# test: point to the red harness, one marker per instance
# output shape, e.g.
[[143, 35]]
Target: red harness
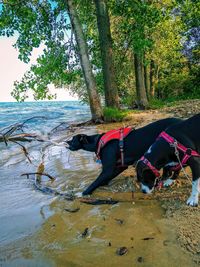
[[118, 134], [187, 153]]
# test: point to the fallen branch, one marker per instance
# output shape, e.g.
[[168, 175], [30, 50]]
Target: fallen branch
[[24, 150], [23, 137], [17, 126], [39, 173], [95, 201]]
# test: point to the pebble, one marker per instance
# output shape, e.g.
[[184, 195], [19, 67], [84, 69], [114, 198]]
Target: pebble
[[140, 259], [121, 251]]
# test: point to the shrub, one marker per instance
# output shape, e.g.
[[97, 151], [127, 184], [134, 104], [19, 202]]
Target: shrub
[[115, 115], [178, 86]]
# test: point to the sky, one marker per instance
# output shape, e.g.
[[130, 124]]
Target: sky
[[12, 69]]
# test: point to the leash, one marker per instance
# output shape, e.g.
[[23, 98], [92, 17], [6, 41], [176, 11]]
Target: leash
[[179, 160], [121, 146]]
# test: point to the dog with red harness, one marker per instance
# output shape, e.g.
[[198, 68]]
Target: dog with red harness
[[117, 149], [176, 147]]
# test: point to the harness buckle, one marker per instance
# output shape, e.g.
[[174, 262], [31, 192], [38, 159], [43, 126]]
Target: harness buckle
[[121, 143]]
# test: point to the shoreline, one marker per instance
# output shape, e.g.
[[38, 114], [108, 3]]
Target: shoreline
[[161, 232]]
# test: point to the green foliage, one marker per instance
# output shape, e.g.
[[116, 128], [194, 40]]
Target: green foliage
[[155, 103], [114, 114], [156, 29], [138, 19], [178, 86]]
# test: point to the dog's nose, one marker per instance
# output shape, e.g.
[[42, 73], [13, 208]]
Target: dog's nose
[[144, 191]]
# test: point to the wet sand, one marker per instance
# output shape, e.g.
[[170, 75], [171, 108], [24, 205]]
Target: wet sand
[[64, 241]]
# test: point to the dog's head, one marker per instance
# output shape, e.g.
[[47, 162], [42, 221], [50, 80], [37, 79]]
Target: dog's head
[[77, 142], [146, 177], [83, 141]]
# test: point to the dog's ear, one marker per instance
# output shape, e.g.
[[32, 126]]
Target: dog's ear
[[144, 173], [140, 168], [148, 175]]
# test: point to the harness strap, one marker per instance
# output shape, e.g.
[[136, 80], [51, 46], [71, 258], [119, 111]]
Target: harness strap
[[118, 134], [121, 145], [151, 167], [188, 152]]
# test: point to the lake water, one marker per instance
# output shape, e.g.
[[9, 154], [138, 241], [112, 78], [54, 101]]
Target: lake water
[[19, 201], [54, 111]]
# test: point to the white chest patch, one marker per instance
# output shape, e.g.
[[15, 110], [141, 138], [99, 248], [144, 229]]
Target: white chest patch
[[149, 150], [171, 164]]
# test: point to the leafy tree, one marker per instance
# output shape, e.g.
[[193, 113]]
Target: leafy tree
[[137, 21], [154, 45], [47, 23], [103, 22], [94, 100]]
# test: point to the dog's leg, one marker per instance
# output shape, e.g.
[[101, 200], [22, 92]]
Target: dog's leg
[[103, 179], [172, 177], [194, 197], [168, 182], [194, 164], [109, 170], [166, 176]]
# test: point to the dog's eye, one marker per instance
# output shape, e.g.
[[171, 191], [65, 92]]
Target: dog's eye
[[82, 138]]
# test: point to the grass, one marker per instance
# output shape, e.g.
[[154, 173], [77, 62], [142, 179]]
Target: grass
[[115, 115]]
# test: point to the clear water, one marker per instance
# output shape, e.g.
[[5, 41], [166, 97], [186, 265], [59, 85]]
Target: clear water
[[54, 111], [19, 201]]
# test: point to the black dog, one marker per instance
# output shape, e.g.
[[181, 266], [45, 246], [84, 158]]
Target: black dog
[[177, 147], [135, 145]]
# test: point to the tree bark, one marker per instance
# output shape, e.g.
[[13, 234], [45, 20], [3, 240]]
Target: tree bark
[[103, 23], [94, 99], [146, 80], [152, 79], [140, 85]]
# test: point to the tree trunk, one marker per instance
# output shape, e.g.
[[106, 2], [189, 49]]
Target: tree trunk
[[146, 80], [94, 99], [103, 22], [140, 86], [152, 79]]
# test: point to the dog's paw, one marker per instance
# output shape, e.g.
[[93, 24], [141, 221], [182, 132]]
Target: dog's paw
[[86, 192], [192, 201], [168, 182], [78, 194]]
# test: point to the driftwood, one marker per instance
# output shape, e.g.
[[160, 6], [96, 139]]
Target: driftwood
[[23, 137], [38, 173], [97, 201], [8, 130], [100, 198], [15, 134]]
